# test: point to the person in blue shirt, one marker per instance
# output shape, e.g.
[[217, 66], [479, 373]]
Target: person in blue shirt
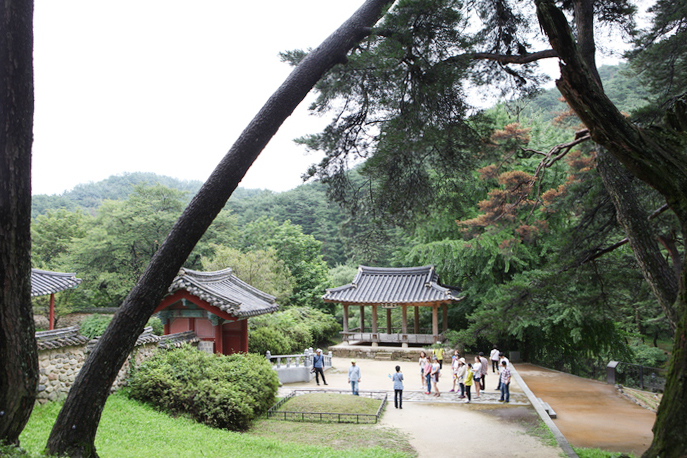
[[354, 377], [397, 378], [318, 365]]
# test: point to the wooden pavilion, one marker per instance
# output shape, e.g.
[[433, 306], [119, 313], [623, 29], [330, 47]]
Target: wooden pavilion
[[216, 306], [391, 289], [44, 282]]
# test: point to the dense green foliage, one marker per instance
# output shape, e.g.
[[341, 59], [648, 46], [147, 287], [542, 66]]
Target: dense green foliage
[[530, 274], [221, 391], [291, 331]]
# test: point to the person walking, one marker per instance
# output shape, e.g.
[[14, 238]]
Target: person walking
[[436, 370], [485, 370], [502, 359], [428, 376], [455, 365], [318, 366], [505, 382], [354, 377], [476, 374], [462, 372], [469, 380], [439, 353], [423, 362], [397, 378], [494, 356]]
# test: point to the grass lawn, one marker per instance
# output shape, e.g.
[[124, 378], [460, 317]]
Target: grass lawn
[[131, 429], [598, 453], [330, 402]]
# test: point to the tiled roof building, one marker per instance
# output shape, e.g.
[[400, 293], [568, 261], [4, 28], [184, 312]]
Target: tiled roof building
[[44, 282], [393, 288], [215, 305]]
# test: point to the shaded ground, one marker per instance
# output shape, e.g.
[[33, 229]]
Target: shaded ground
[[591, 413]]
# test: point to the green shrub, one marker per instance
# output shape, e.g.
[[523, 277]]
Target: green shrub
[[266, 339], [221, 391], [649, 356], [155, 323], [291, 331], [11, 451], [95, 325]]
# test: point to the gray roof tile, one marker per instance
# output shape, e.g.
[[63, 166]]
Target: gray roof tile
[[405, 285], [224, 290], [44, 282]]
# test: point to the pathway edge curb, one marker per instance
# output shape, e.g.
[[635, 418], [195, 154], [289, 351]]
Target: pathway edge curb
[[560, 438]]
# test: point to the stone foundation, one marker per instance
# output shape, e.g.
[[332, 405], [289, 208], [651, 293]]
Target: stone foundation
[[411, 354]]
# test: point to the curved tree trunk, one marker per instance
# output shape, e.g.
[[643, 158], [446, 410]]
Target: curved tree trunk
[[74, 431], [18, 354], [659, 157], [644, 242]]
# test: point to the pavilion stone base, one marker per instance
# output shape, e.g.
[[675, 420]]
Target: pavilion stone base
[[366, 351]]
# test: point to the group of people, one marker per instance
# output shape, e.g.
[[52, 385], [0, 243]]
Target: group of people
[[465, 375]]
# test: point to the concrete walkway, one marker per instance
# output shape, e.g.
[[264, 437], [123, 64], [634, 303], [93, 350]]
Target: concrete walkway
[[446, 426]]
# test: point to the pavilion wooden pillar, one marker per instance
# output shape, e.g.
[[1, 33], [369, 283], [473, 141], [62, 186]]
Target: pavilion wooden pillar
[[435, 322], [345, 322], [374, 325], [52, 311], [416, 326], [404, 324], [388, 321], [362, 319], [444, 317]]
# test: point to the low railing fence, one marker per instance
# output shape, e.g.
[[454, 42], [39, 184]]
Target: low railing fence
[[329, 417], [304, 359], [384, 337], [636, 376]]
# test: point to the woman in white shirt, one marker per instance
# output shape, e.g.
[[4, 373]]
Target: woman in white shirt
[[423, 361], [477, 369]]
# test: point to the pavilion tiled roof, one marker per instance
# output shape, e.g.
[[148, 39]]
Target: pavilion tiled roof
[[224, 290], [44, 282], [388, 285]]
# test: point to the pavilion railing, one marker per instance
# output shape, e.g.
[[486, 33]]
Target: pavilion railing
[[383, 337]]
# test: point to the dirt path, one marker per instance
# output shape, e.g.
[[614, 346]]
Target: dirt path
[[447, 427], [590, 413]]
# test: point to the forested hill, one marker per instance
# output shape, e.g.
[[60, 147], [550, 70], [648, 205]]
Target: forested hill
[[621, 87], [305, 205]]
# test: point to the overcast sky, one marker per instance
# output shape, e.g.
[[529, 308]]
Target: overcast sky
[[166, 86]]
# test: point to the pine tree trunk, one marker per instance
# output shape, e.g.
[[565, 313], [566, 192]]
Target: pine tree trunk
[[659, 157], [643, 240], [74, 431], [18, 354]]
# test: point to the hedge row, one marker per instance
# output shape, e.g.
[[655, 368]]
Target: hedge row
[[226, 392], [291, 331]]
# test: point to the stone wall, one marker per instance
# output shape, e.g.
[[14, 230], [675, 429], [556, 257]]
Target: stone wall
[[59, 366], [62, 352]]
